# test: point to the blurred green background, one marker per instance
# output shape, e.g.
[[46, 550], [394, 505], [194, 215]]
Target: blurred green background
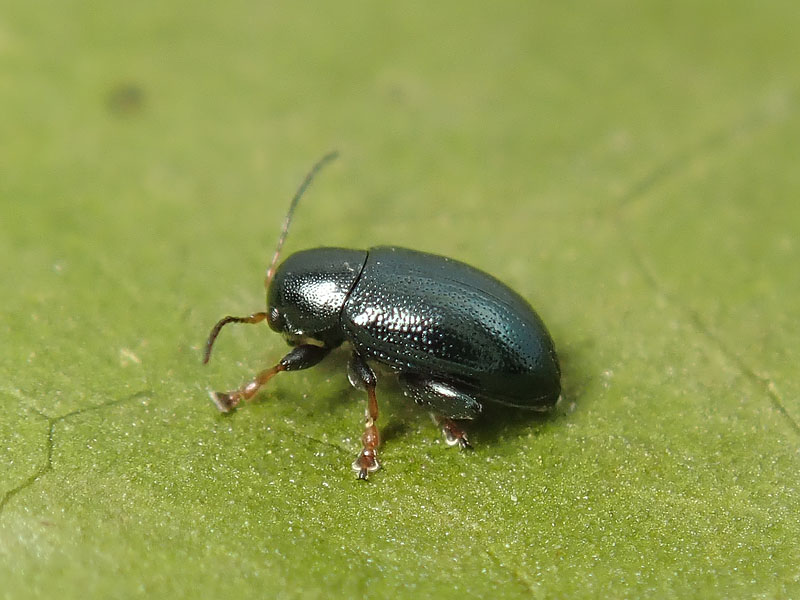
[[630, 168]]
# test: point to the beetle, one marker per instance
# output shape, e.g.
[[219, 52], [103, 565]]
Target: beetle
[[456, 336]]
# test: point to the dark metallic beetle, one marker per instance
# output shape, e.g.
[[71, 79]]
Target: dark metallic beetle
[[456, 336]]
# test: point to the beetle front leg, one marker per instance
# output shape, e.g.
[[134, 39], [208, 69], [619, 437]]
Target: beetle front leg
[[361, 376], [301, 357]]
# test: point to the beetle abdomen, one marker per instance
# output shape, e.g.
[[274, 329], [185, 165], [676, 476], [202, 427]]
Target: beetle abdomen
[[432, 315]]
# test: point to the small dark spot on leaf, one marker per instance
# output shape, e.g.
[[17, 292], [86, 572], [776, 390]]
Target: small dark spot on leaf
[[398, 94], [125, 99]]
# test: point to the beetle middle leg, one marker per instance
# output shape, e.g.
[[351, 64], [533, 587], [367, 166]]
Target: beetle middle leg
[[448, 401], [301, 357], [362, 377]]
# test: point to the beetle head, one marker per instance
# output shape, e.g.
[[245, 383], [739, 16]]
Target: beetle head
[[308, 291]]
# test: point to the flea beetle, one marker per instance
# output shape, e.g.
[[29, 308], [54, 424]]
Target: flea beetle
[[456, 337]]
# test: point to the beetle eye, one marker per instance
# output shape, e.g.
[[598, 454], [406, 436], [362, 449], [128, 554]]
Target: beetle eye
[[274, 320]]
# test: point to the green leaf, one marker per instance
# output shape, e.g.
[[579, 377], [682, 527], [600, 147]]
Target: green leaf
[[628, 168]]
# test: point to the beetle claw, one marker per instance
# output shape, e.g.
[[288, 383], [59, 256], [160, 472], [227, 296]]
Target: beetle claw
[[365, 464], [459, 440], [453, 433]]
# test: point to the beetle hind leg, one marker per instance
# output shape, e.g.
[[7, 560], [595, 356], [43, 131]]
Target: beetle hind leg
[[454, 434], [448, 402]]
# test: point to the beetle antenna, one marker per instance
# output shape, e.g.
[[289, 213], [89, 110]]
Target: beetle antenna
[[254, 318], [287, 220], [260, 316]]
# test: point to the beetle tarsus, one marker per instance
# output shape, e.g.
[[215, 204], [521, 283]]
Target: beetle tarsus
[[454, 434], [457, 440], [366, 463], [464, 444]]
